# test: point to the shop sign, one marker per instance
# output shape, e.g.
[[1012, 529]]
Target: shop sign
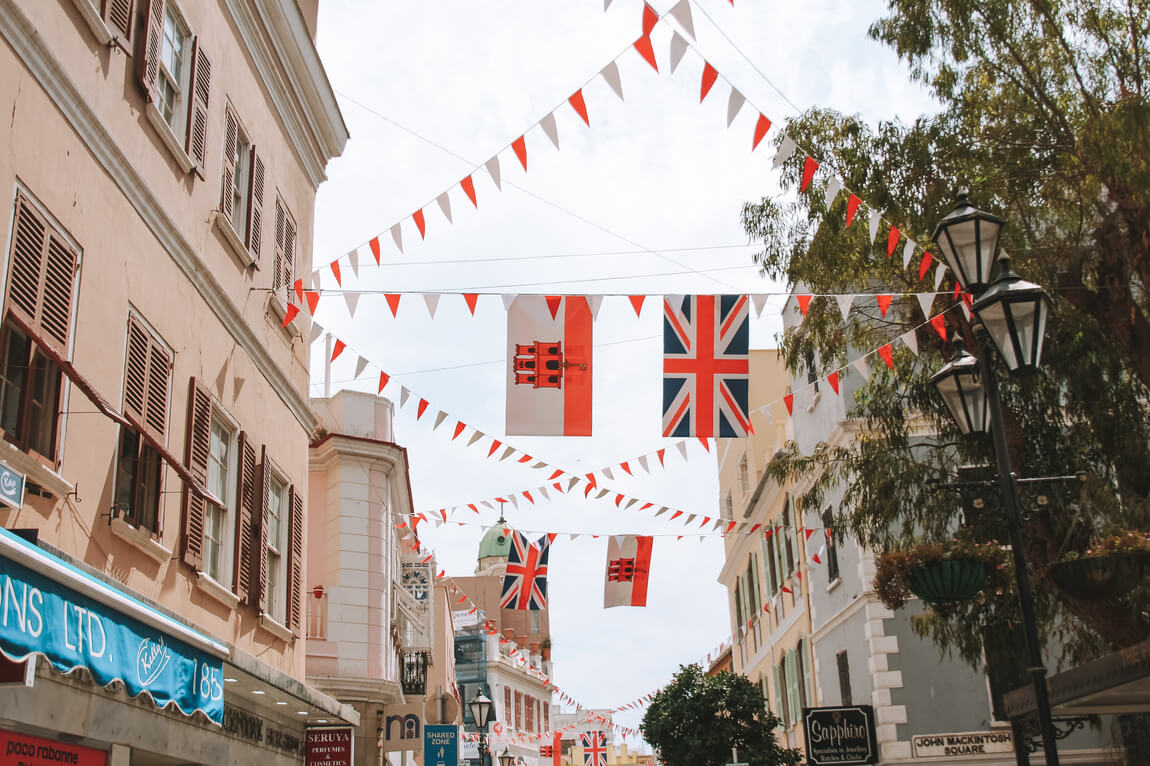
[[11, 487], [23, 750], [251, 727], [961, 744], [39, 615], [403, 727], [440, 745], [329, 746], [843, 736]]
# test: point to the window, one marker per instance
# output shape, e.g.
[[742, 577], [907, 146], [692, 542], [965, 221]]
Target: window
[[211, 459], [507, 705], [728, 506], [773, 581], [812, 373], [744, 475], [529, 713], [832, 551], [276, 517], [36, 330], [788, 542], [546, 716], [518, 710], [284, 267], [147, 373], [175, 75], [844, 677], [242, 192], [535, 621], [220, 466]]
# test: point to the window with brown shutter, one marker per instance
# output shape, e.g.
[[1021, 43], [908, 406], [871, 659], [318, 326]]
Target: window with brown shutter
[[196, 138], [198, 447], [274, 556], [119, 15], [255, 206], [295, 561], [231, 133], [284, 266], [245, 511], [175, 76], [38, 304], [242, 190], [259, 574]]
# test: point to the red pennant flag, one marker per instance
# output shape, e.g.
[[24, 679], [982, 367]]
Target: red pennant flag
[[957, 291], [577, 103], [807, 534], [730, 526], [637, 303], [335, 271], [646, 506], [526, 458], [618, 499], [420, 224], [650, 19], [924, 265], [558, 487], [520, 147], [761, 128], [527, 494], [804, 302], [768, 533], [789, 400], [815, 558], [555, 474], [383, 378], [939, 325], [884, 303], [809, 168], [833, 380], [469, 189], [892, 241], [785, 589], [459, 426], [312, 300], [290, 314], [703, 441], [676, 515], [626, 468], [374, 244], [553, 304], [298, 287], [393, 302], [422, 408], [852, 208], [472, 507], [754, 529], [766, 607], [587, 490], [886, 355], [660, 454], [339, 347], [643, 47], [591, 479], [471, 298], [495, 444], [710, 74]]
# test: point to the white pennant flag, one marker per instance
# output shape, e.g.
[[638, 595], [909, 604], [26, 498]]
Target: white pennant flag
[[507, 453], [643, 463], [397, 235], [403, 395], [514, 501], [875, 217], [630, 502], [445, 205], [678, 48], [475, 437], [543, 491], [353, 261], [786, 149], [594, 302], [316, 331], [834, 186], [606, 5], [492, 166], [439, 419], [682, 14], [661, 511], [759, 300], [910, 338], [939, 274], [602, 492], [611, 75], [682, 449], [845, 302], [432, 301], [360, 366], [508, 299], [925, 300], [734, 104], [861, 365], [352, 301], [689, 519], [908, 252], [487, 504], [549, 127], [607, 472]]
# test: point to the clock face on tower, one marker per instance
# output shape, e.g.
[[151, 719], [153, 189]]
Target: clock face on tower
[[415, 581]]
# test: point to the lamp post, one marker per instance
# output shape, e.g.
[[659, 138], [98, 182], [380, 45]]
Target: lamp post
[[481, 712], [1011, 319], [506, 758]]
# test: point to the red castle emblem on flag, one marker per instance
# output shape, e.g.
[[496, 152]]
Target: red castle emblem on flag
[[540, 364], [621, 570]]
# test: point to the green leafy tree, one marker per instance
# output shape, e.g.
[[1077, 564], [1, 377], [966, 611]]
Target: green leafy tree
[[1046, 119], [697, 718]]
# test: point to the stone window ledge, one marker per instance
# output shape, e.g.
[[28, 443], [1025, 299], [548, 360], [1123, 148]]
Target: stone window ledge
[[208, 585], [141, 539]]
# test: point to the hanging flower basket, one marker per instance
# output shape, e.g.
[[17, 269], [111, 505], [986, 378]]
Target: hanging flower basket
[[1100, 577], [948, 580]]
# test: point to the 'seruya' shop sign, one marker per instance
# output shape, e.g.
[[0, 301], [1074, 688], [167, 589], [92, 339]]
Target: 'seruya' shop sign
[[51, 608]]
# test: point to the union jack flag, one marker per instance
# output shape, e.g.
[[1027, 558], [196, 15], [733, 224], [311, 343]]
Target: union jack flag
[[525, 583], [705, 365], [594, 748]]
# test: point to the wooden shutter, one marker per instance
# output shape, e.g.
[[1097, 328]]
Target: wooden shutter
[[146, 373], [756, 593], [844, 669], [259, 554], [295, 560], [769, 567], [806, 687], [791, 671], [288, 266], [780, 699], [42, 278], [196, 139], [245, 494], [231, 135], [148, 63], [118, 15], [199, 445], [255, 206]]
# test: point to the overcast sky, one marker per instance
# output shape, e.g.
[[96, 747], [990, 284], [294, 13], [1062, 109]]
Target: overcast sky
[[645, 200]]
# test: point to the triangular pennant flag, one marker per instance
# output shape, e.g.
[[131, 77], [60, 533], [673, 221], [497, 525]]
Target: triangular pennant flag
[[682, 449], [508, 299], [543, 491], [432, 301], [626, 468], [607, 472], [734, 104], [908, 252], [833, 381], [507, 453], [339, 347], [492, 166], [422, 408], [939, 274], [939, 325], [761, 128], [710, 74], [316, 331], [892, 241], [298, 287], [336, 274], [420, 223], [925, 301], [643, 463], [660, 453], [439, 418], [678, 48], [606, 5], [682, 14], [706, 444], [553, 304], [602, 494], [519, 146], [312, 300], [924, 264], [831, 192], [637, 303], [650, 19], [459, 426], [875, 217], [887, 355], [845, 302], [789, 400], [495, 444], [759, 300], [861, 365], [594, 302], [470, 299], [610, 73], [290, 313], [910, 338], [804, 302], [445, 205], [383, 379], [786, 149], [353, 259], [475, 437], [884, 303], [689, 519], [810, 165], [374, 245], [393, 302], [360, 366], [352, 301], [580, 106], [644, 48], [468, 186], [852, 208], [514, 501], [404, 394], [548, 125], [397, 236]]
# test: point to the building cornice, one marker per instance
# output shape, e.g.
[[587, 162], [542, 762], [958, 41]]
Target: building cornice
[[332, 448], [43, 65], [277, 39]]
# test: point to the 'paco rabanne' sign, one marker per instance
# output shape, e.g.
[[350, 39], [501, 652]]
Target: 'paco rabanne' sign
[[842, 736]]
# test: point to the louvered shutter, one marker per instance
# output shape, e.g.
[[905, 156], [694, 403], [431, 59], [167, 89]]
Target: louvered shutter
[[780, 700], [41, 278], [148, 63], [255, 206], [196, 140], [790, 670], [245, 494], [118, 15], [231, 131], [295, 560], [259, 559], [756, 593], [806, 688], [146, 373], [199, 445], [769, 567], [287, 274]]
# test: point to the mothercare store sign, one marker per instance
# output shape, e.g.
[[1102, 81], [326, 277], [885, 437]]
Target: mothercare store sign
[[40, 615], [22, 750], [842, 736]]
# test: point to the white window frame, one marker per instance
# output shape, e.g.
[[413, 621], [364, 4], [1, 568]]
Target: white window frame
[[277, 593], [172, 134], [227, 503]]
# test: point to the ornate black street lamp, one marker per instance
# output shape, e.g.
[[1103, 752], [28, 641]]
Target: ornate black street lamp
[[481, 712], [506, 758], [1011, 319]]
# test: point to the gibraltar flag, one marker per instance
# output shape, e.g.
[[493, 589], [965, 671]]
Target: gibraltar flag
[[628, 566], [549, 344]]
